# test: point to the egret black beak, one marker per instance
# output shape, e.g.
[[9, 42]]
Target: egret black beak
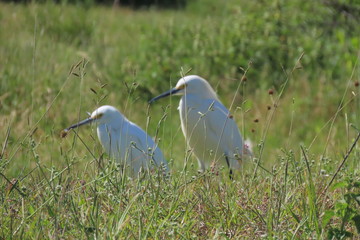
[[83, 122], [165, 94]]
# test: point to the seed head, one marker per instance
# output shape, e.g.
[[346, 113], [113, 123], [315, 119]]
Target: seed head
[[64, 133]]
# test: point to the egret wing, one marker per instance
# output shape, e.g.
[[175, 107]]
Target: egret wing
[[223, 128], [145, 149]]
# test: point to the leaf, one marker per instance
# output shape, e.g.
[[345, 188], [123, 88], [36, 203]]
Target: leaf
[[351, 195], [356, 220], [357, 199], [90, 229], [327, 217], [339, 185], [93, 90], [247, 105], [341, 205], [31, 210], [293, 215], [335, 233]]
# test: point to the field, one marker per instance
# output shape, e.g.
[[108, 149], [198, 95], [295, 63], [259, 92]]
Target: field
[[289, 70]]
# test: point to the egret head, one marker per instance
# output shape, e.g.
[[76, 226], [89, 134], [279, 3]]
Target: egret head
[[192, 84], [103, 115]]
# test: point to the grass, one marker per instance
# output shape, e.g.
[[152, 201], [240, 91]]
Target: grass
[[299, 106]]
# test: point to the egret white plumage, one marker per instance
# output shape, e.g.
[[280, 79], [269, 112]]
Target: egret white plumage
[[124, 140], [209, 129]]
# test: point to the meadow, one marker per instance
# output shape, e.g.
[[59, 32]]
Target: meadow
[[289, 70]]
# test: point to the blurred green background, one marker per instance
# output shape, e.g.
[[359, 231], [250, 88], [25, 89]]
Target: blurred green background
[[131, 53]]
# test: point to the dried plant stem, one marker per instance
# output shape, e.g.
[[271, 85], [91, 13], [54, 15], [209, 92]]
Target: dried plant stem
[[342, 163]]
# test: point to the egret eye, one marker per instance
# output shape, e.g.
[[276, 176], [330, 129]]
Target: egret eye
[[98, 116], [182, 86]]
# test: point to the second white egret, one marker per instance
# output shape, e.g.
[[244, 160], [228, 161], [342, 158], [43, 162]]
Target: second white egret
[[124, 140], [209, 129]]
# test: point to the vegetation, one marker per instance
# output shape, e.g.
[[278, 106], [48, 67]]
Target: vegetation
[[288, 69]]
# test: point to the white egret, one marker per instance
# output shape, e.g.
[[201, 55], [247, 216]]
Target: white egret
[[124, 140], [209, 129]]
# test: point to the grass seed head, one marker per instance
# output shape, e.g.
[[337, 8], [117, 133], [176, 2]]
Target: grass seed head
[[64, 133]]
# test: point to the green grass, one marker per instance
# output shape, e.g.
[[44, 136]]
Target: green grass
[[51, 56]]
